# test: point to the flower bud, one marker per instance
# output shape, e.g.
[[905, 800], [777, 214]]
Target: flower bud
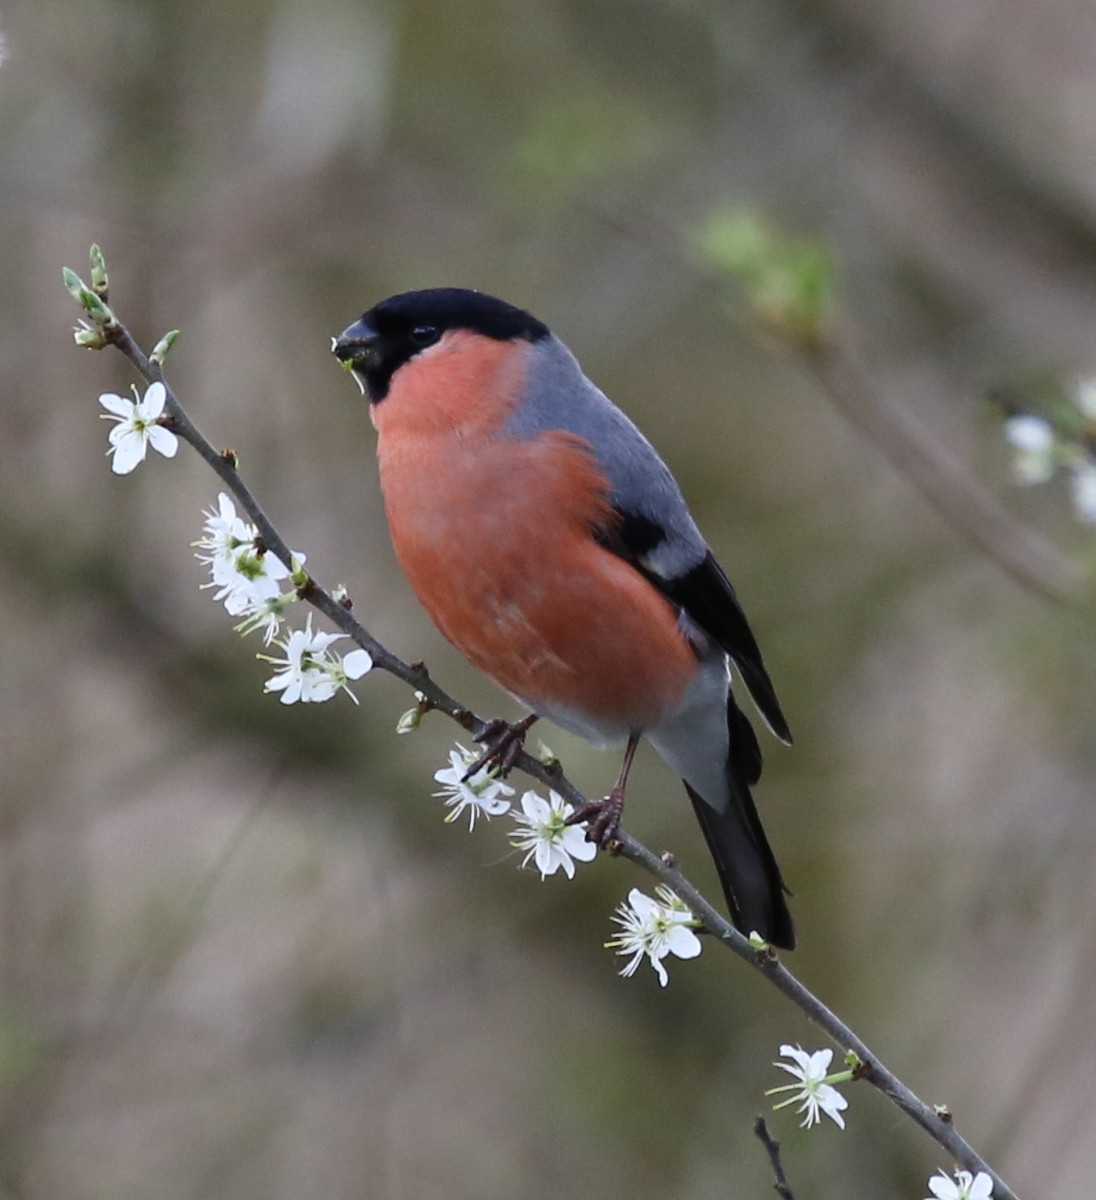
[[89, 336], [99, 282], [159, 351]]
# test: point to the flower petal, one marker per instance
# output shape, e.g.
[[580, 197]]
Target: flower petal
[[118, 405], [357, 663], [163, 441], [535, 807], [154, 400], [682, 942], [575, 844], [819, 1065], [547, 862], [798, 1055], [128, 452], [641, 904], [943, 1188], [982, 1187]]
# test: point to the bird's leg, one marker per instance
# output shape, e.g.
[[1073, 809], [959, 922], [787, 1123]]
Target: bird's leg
[[502, 744], [604, 815]]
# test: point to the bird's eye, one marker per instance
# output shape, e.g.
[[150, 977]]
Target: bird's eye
[[424, 335]]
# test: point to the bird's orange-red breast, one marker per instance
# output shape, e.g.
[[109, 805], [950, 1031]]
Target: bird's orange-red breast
[[551, 545], [537, 604]]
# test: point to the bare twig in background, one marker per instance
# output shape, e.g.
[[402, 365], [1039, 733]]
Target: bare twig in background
[[772, 1146], [948, 485], [830, 359], [663, 867]]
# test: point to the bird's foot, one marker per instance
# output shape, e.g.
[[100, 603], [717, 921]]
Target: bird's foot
[[602, 817], [502, 743]]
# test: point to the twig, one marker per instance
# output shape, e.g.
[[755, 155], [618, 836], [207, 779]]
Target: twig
[[937, 1124], [664, 868], [1019, 551], [773, 1147]]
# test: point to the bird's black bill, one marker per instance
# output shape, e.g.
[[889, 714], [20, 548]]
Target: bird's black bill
[[356, 346]]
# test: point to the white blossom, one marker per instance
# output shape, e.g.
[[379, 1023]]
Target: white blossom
[[137, 427], [223, 535], [248, 582], [963, 1187], [255, 578], [483, 795], [814, 1088], [262, 612], [655, 928], [547, 838], [309, 672]]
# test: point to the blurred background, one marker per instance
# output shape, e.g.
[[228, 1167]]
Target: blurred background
[[241, 955]]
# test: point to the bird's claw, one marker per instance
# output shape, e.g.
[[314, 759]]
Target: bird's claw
[[502, 744], [602, 817]]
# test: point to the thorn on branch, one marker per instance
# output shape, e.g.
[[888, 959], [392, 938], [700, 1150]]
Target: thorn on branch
[[231, 458]]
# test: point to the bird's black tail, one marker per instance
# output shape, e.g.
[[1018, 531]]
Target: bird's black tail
[[747, 869]]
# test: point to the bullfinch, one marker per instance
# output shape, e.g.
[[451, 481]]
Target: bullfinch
[[551, 545]]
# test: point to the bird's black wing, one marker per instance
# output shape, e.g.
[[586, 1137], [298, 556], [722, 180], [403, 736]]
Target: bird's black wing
[[705, 594]]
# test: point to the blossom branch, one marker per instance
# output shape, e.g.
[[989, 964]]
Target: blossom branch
[[938, 1124], [224, 464], [935, 1122]]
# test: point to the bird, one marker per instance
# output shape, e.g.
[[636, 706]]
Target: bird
[[551, 545]]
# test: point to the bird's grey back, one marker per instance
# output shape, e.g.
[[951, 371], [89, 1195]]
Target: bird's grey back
[[559, 396]]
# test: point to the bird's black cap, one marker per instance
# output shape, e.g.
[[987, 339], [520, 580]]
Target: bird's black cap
[[395, 330]]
